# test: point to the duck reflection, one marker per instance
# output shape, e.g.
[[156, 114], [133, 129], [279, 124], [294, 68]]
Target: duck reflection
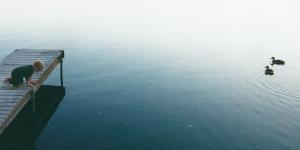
[[23, 132]]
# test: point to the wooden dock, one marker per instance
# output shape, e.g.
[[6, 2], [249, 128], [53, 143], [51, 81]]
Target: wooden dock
[[12, 99]]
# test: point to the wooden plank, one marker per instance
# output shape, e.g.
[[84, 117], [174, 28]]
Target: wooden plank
[[39, 50], [4, 97], [3, 77], [10, 101], [5, 101], [19, 89], [8, 66], [13, 65], [29, 62], [8, 104], [13, 88], [35, 51], [4, 112], [6, 108], [3, 116], [4, 66], [7, 92], [29, 59], [21, 64], [26, 59], [12, 94], [33, 55]]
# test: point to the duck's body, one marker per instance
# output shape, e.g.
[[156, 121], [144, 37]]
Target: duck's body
[[268, 71], [277, 61]]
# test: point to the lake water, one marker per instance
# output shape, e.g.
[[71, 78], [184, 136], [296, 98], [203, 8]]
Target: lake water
[[180, 75]]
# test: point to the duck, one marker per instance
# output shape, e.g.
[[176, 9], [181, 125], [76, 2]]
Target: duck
[[268, 71], [277, 61]]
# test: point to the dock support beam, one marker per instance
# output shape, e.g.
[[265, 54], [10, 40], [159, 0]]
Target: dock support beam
[[61, 73]]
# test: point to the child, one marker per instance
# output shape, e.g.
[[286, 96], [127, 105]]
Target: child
[[19, 73]]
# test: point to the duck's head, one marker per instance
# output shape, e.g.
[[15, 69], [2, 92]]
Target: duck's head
[[267, 67], [273, 58]]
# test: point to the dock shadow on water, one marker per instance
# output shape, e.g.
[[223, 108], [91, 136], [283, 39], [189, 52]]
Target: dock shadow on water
[[27, 126]]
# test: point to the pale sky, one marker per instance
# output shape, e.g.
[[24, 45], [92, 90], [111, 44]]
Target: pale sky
[[266, 19], [230, 13]]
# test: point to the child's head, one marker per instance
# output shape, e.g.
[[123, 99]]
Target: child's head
[[38, 65]]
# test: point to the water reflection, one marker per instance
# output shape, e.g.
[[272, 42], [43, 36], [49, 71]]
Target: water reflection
[[26, 128]]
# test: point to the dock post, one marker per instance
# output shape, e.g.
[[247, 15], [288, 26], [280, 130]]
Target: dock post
[[61, 73]]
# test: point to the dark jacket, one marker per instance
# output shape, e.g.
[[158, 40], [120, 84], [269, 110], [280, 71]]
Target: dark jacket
[[19, 73]]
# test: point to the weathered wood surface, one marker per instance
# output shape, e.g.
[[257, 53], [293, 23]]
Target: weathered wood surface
[[12, 99]]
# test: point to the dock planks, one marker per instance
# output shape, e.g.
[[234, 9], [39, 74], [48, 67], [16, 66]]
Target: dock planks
[[12, 99]]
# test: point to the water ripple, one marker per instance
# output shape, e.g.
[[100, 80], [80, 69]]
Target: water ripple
[[280, 86]]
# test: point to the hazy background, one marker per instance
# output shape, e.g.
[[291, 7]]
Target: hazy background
[[250, 22]]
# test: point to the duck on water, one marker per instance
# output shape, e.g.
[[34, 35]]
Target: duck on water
[[277, 61], [268, 71]]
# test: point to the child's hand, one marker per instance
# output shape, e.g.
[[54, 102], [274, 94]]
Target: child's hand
[[33, 82]]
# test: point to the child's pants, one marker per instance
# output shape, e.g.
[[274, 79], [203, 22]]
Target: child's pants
[[15, 80]]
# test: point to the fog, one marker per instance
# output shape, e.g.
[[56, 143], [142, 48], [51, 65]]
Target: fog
[[231, 21]]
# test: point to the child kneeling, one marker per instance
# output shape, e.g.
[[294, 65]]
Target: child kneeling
[[19, 73]]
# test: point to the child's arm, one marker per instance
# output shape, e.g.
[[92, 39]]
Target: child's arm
[[33, 82], [30, 82]]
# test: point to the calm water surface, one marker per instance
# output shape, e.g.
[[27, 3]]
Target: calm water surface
[[165, 75]]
